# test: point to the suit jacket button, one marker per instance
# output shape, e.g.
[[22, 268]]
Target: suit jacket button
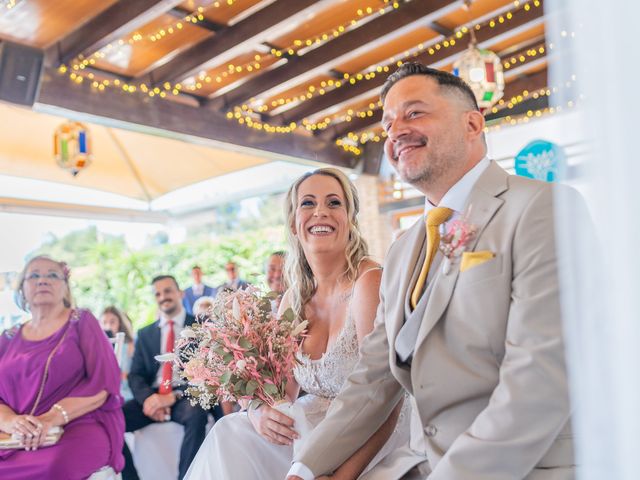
[[430, 430]]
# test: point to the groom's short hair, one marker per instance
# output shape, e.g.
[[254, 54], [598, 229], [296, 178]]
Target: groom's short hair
[[447, 81]]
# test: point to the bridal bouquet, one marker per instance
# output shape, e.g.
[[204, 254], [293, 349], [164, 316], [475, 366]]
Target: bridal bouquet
[[243, 351]]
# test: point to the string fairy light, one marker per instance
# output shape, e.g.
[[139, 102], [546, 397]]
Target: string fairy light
[[353, 139], [248, 114], [81, 63], [386, 65]]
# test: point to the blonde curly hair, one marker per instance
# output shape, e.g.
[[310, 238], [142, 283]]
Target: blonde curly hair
[[298, 272]]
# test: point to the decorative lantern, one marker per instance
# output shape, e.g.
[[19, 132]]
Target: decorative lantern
[[482, 70], [72, 146]]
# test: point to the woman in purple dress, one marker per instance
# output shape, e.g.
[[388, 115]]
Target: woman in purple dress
[[58, 370]]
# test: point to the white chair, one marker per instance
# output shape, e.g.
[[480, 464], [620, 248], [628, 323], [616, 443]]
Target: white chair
[[118, 347], [156, 449], [106, 472]]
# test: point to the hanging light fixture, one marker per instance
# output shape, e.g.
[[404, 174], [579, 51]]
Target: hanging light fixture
[[72, 147], [482, 70]]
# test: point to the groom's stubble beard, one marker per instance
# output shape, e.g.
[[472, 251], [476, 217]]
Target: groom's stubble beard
[[437, 163]]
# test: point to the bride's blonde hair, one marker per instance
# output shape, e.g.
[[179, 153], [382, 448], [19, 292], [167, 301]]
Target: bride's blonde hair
[[298, 273]]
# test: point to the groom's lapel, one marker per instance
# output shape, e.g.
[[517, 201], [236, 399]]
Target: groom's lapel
[[480, 209]]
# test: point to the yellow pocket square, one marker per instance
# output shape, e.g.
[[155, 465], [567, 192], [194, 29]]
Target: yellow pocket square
[[473, 259]]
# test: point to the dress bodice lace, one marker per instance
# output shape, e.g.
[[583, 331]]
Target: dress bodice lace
[[325, 376]]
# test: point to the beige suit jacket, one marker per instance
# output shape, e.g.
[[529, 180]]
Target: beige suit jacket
[[488, 375]]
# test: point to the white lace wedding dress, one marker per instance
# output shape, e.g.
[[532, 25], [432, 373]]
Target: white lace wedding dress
[[233, 450]]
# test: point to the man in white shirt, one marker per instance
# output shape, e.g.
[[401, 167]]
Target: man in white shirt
[[469, 321], [157, 390]]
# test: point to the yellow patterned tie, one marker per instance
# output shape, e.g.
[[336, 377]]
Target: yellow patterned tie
[[436, 217]]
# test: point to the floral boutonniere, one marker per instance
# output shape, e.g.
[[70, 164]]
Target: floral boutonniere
[[456, 237], [454, 240]]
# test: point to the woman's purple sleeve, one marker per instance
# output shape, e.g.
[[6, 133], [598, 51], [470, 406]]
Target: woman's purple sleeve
[[101, 368], [4, 346]]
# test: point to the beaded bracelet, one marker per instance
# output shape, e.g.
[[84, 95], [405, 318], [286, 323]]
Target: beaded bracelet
[[62, 411]]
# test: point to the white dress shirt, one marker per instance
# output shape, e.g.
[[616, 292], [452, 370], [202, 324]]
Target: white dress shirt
[[198, 289], [455, 199], [178, 325]]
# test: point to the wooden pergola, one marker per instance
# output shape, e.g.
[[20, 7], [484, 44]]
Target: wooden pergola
[[295, 78]]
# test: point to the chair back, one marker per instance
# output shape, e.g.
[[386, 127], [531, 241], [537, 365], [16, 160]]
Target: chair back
[[118, 347]]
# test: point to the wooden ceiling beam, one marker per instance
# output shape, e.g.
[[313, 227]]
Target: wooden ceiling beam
[[521, 108], [322, 59], [339, 130], [184, 122], [235, 40], [181, 12], [118, 20], [520, 18]]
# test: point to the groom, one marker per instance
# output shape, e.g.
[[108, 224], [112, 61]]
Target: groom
[[475, 335]]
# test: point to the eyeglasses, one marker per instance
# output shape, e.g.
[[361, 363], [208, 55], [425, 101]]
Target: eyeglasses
[[34, 277]]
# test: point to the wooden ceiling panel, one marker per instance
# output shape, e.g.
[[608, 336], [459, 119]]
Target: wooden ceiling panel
[[344, 13], [221, 11], [519, 39], [478, 9], [382, 54], [238, 69], [132, 57], [290, 97], [40, 23]]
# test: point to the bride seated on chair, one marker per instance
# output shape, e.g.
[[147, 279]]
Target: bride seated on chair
[[334, 286]]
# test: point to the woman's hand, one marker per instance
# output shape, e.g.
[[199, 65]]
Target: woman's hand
[[47, 420], [25, 427], [273, 425]]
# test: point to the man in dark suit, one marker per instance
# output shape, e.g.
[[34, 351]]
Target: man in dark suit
[[157, 389], [197, 290]]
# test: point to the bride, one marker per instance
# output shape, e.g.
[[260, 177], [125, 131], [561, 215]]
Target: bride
[[334, 286]]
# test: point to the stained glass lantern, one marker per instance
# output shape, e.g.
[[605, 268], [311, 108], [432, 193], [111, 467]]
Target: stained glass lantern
[[72, 146], [482, 70]]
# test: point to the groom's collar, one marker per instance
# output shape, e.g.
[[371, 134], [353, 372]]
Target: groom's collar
[[457, 196]]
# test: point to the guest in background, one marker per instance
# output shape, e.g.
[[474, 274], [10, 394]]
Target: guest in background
[[202, 308], [234, 282], [115, 321], [158, 392], [58, 370], [274, 272], [197, 290], [275, 278]]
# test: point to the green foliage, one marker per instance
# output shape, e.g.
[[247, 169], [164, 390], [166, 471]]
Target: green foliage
[[106, 272]]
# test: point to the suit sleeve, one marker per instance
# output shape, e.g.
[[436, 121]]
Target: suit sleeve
[[530, 405], [365, 402], [138, 375]]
